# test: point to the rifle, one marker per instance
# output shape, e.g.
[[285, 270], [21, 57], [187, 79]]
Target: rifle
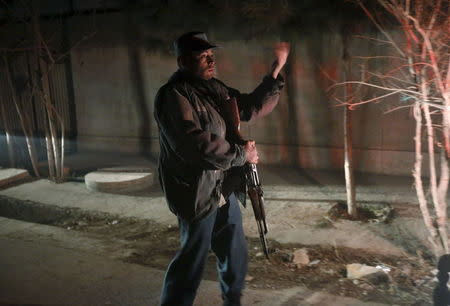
[[255, 193], [254, 189]]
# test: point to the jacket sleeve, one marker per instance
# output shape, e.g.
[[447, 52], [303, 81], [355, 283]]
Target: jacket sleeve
[[261, 101], [180, 126]]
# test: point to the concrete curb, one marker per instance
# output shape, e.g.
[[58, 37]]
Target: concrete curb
[[11, 175]]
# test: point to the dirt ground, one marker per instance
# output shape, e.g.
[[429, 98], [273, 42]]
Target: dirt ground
[[409, 282]]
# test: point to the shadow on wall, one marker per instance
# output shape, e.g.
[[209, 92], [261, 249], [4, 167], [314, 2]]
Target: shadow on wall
[[134, 39], [293, 135], [319, 113]]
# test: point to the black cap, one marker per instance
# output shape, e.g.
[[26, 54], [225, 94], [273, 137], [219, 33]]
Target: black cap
[[192, 42]]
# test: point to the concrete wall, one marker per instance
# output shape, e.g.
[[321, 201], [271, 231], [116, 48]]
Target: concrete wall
[[116, 78]]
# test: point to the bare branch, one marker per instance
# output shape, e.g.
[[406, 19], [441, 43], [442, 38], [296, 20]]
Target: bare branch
[[381, 76], [380, 57], [372, 85], [380, 27], [374, 39], [437, 8], [376, 98], [397, 108]]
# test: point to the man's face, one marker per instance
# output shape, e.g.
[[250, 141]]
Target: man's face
[[202, 64]]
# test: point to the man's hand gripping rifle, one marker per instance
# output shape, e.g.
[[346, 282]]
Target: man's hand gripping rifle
[[254, 190]]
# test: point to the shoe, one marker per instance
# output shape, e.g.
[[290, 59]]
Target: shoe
[[234, 300]]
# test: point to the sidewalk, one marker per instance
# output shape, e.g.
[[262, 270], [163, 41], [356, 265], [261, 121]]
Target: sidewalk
[[295, 200]]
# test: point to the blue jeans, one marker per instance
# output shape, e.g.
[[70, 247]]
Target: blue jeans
[[220, 231]]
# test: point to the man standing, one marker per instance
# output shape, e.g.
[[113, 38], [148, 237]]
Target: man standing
[[195, 158]]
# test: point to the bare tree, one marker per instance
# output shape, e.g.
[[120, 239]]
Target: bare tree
[[54, 137], [418, 71], [44, 59]]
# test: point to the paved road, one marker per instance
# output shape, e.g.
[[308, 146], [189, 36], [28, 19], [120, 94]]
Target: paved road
[[45, 265]]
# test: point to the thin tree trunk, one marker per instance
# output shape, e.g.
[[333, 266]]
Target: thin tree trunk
[[24, 125], [49, 146], [446, 116], [61, 176], [348, 164], [444, 179], [51, 119], [417, 174], [446, 112], [442, 196], [9, 141], [37, 87], [54, 139], [440, 214], [55, 158], [50, 109], [348, 143], [445, 156]]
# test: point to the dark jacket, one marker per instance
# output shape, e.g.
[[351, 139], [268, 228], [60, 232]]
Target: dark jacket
[[194, 152]]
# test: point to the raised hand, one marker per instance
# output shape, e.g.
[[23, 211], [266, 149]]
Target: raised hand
[[281, 50]]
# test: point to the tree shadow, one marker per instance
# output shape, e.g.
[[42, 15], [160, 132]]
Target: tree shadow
[[134, 43], [320, 112], [293, 136]]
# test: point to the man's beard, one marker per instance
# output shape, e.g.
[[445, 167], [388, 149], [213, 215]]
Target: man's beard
[[207, 73]]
